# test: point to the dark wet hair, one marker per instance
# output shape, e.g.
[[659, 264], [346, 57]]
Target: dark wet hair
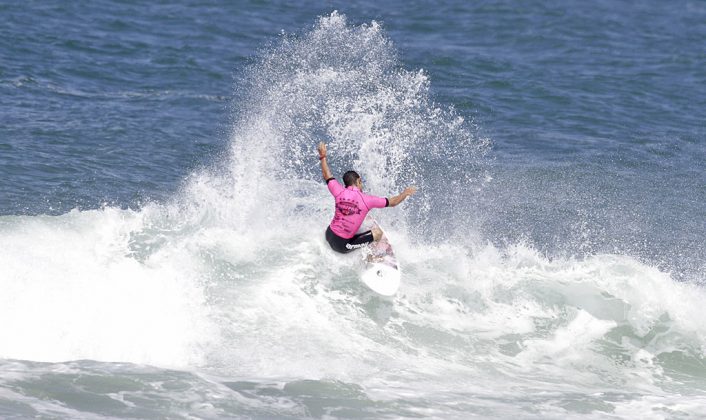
[[350, 178]]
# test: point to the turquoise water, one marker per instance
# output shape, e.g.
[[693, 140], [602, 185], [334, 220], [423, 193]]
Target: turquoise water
[[161, 212]]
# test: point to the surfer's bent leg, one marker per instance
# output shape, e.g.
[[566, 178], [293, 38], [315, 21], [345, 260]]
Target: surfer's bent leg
[[360, 239], [377, 234], [343, 245]]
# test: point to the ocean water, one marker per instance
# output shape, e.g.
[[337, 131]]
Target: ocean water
[[162, 210]]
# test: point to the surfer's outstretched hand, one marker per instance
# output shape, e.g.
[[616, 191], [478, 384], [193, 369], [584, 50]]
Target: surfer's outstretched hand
[[325, 170], [393, 201]]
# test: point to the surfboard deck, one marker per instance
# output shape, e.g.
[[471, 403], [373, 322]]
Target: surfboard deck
[[381, 271]]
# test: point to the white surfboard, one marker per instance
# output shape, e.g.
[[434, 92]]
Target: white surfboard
[[381, 272]]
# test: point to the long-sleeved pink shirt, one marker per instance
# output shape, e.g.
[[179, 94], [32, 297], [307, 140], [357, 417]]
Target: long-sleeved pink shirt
[[351, 208]]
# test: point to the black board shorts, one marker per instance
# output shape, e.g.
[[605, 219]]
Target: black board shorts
[[344, 245]]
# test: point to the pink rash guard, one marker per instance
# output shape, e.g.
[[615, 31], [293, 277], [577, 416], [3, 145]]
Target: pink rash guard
[[351, 208]]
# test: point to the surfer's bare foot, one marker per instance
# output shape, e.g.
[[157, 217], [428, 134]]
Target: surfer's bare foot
[[377, 234]]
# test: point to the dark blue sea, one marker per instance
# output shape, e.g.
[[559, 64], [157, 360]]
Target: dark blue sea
[[162, 209]]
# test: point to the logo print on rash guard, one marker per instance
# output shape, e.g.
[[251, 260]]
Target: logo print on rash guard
[[347, 207]]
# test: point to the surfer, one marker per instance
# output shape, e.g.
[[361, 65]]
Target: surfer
[[351, 208]]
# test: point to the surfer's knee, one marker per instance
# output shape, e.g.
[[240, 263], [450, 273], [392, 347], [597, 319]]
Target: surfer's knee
[[377, 234]]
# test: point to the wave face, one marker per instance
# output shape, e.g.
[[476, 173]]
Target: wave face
[[227, 296]]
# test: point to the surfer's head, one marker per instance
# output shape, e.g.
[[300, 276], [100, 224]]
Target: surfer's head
[[351, 178]]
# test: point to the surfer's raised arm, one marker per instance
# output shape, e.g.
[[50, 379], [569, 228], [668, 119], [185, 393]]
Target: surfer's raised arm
[[402, 196], [324, 166]]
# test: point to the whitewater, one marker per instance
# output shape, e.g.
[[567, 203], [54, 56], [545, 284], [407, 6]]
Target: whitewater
[[224, 301]]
